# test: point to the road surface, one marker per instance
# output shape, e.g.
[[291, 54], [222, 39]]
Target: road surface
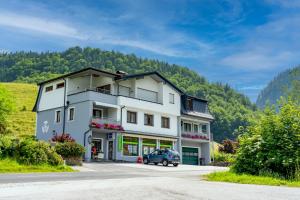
[[133, 181]]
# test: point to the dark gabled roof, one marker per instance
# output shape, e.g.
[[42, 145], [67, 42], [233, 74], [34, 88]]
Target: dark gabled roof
[[126, 77], [34, 109], [79, 71]]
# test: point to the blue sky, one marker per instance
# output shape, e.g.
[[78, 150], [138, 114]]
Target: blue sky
[[243, 43]]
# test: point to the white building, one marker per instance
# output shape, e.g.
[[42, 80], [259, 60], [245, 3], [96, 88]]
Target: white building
[[122, 116]]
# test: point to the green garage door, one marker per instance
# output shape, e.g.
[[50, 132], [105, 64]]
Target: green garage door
[[190, 156]]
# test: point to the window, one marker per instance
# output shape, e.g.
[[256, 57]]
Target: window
[[171, 98], [57, 116], [189, 104], [165, 122], [196, 128], [149, 146], [130, 146], [164, 144], [131, 117], [104, 89], [49, 88], [187, 127], [60, 85], [71, 114], [204, 128], [97, 113], [148, 120]]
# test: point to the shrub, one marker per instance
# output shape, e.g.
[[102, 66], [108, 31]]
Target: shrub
[[228, 146], [62, 138], [272, 144], [32, 152], [223, 159], [7, 146], [69, 149], [53, 157]]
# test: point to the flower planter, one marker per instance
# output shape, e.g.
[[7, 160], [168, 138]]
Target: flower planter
[[107, 126]]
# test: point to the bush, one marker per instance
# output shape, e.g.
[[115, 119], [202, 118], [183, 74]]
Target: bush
[[69, 149], [223, 159], [62, 138], [228, 146], [7, 146], [53, 157], [272, 144], [32, 152], [71, 152]]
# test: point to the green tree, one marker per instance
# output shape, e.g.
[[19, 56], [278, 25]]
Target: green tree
[[6, 107], [272, 144]]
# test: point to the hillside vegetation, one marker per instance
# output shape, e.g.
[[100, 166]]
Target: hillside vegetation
[[230, 108], [22, 120], [279, 86]]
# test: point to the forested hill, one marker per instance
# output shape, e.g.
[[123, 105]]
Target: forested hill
[[230, 109], [279, 86]]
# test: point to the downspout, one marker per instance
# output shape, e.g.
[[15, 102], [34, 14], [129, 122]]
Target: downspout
[[65, 107], [121, 120]]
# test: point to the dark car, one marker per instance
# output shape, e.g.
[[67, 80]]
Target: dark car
[[165, 157]]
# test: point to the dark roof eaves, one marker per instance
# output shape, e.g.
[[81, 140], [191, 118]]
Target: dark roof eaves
[[75, 72], [150, 73]]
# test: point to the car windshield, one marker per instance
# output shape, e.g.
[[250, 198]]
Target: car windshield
[[172, 152]]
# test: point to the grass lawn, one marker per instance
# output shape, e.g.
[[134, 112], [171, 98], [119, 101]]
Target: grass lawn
[[22, 121], [11, 166], [249, 179]]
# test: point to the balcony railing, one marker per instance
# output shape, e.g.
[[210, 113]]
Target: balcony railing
[[109, 92], [106, 124]]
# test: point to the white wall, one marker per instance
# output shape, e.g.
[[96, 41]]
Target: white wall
[[140, 127], [78, 84], [51, 99], [158, 110], [148, 83]]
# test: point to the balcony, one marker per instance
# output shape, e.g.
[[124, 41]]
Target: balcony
[[106, 124], [93, 95]]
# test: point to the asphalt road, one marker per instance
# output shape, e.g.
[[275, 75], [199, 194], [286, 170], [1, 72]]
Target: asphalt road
[[133, 181]]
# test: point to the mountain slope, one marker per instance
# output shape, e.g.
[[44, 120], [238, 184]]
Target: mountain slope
[[278, 87], [230, 109], [22, 120]]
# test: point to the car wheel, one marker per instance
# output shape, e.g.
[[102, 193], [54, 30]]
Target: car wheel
[[155, 163], [175, 164], [146, 161], [165, 163]]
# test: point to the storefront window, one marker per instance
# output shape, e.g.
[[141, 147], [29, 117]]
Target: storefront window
[[130, 146], [164, 144], [149, 145]]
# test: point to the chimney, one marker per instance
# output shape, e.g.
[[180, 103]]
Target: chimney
[[121, 73]]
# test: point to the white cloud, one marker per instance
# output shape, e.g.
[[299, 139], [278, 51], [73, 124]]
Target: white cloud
[[256, 60], [38, 24], [271, 46]]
